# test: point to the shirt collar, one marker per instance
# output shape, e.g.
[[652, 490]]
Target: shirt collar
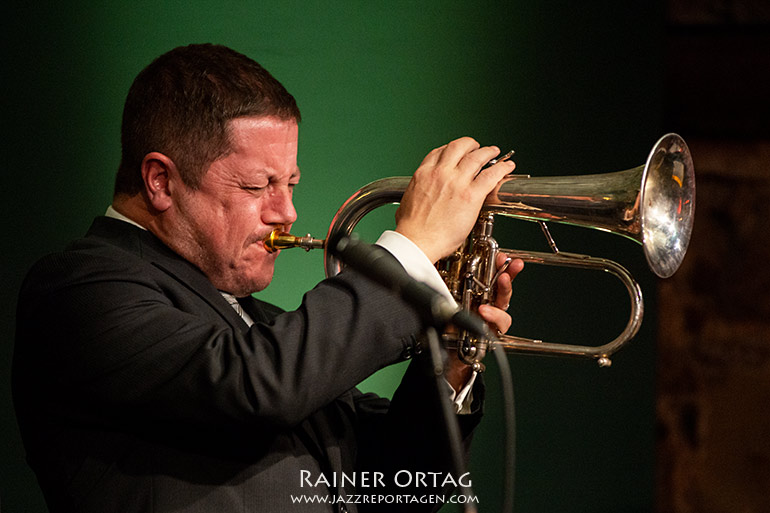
[[114, 214]]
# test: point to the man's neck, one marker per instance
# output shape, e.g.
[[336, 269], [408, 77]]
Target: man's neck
[[131, 209]]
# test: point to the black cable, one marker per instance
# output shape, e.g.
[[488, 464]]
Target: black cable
[[509, 423], [450, 418]]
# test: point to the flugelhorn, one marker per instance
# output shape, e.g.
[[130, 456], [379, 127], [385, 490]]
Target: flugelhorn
[[652, 204]]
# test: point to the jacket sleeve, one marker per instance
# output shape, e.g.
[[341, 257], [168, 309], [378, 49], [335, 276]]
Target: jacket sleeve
[[123, 338]]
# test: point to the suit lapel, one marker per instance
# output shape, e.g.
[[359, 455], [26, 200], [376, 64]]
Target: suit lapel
[[199, 284]]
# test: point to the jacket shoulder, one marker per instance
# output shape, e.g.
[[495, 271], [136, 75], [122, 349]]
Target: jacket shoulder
[[82, 261], [111, 251]]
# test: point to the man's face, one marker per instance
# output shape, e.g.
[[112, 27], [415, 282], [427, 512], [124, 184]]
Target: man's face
[[241, 199]]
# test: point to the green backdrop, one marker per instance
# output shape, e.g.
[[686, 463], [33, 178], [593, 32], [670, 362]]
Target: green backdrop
[[573, 87]]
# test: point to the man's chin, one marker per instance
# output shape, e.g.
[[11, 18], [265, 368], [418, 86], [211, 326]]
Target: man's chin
[[244, 284], [252, 284]]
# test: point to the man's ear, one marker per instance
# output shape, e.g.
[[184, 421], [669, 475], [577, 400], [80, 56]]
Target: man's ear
[[156, 171]]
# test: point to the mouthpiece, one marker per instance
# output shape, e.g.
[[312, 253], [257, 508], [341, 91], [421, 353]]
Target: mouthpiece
[[281, 240]]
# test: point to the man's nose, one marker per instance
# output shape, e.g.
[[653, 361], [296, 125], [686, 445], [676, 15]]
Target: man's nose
[[280, 207]]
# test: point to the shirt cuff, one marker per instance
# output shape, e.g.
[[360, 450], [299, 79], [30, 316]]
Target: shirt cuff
[[419, 267], [414, 261], [463, 399]]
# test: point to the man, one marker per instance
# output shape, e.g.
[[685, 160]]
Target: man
[[146, 377]]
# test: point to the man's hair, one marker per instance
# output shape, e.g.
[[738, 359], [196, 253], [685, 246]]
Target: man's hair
[[180, 106]]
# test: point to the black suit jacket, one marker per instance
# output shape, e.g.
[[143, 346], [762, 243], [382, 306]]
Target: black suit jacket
[[138, 387]]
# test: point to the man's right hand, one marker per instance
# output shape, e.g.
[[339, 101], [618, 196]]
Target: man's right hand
[[442, 201]]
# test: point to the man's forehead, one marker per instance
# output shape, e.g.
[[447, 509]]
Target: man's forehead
[[267, 124], [260, 148], [267, 136]]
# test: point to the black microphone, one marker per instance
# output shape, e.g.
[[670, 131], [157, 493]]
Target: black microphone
[[378, 264]]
